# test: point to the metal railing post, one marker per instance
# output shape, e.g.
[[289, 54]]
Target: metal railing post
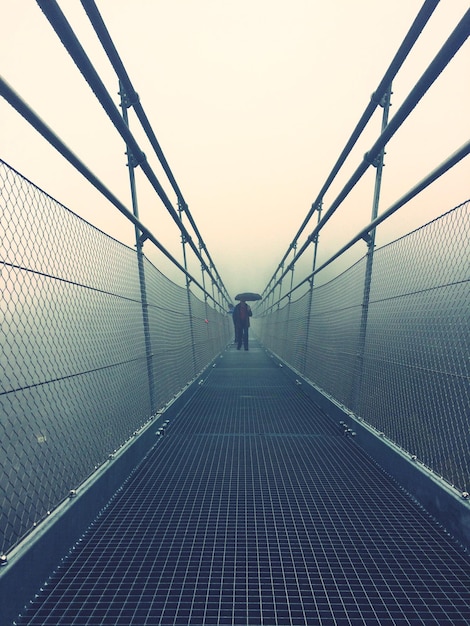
[[318, 208], [181, 208], [289, 300], [280, 288], [131, 164], [370, 241], [203, 277]]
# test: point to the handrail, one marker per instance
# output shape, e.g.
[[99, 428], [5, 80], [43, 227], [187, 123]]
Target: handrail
[[454, 42], [30, 116], [441, 169], [134, 101], [71, 43]]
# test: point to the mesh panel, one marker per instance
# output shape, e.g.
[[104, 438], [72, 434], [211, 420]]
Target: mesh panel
[[418, 344], [334, 327], [329, 334], [74, 358], [411, 380], [170, 335], [209, 331]]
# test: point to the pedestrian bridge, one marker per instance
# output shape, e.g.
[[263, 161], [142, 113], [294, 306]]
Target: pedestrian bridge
[[153, 474]]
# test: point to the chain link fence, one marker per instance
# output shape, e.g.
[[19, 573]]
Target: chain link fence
[[75, 360], [79, 375], [406, 371]]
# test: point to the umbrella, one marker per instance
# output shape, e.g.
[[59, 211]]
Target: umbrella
[[248, 296]]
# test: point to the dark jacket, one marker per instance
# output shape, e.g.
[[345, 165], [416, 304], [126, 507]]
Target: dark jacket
[[241, 315]]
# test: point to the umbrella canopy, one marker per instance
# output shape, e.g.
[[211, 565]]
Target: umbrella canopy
[[248, 296]]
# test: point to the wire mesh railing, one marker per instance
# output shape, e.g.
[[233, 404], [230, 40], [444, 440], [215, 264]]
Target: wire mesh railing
[[75, 380], [410, 378], [95, 339]]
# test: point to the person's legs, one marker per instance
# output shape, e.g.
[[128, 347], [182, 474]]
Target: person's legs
[[238, 336], [245, 338]]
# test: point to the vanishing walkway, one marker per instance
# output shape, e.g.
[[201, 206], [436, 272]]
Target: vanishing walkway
[[253, 508]]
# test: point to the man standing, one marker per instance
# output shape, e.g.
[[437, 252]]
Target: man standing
[[241, 320]]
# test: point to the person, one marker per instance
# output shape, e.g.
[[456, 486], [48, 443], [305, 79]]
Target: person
[[241, 320]]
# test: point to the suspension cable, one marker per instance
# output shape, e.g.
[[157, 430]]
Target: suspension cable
[[455, 41], [407, 44], [32, 118], [71, 43], [441, 169], [109, 47]]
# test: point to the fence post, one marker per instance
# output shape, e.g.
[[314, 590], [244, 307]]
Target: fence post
[[280, 287], [206, 309], [370, 241], [131, 164], [289, 301], [318, 208], [181, 209]]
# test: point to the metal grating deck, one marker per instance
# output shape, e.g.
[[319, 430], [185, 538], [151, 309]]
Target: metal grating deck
[[254, 509]]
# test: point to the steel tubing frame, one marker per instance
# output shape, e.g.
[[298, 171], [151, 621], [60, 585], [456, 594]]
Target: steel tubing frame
[[454, 42], [7, 92], [71, 43], [370, 260], [445, 166], [140, 263], [134, 101], [408, 42]]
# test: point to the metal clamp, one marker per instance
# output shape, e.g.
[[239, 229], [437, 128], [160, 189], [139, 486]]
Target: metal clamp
[[133, 161], [381, 102], [374, 162], [129, 101]]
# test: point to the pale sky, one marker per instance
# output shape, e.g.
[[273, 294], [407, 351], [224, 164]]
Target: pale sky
[[252, 103]]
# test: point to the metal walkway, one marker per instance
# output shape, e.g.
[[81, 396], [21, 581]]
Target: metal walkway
[[254, 509]]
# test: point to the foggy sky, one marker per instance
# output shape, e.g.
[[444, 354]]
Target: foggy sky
[[252, 102]]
